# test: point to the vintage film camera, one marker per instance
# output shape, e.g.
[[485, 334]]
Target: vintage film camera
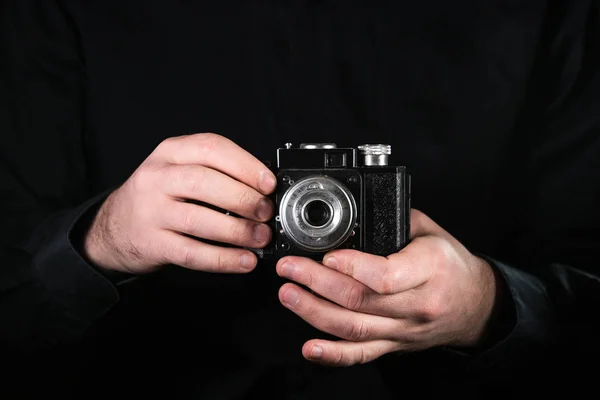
[[329, 198]]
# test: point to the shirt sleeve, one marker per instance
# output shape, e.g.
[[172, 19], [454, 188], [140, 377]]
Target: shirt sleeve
[[48, 292], [553, 292]]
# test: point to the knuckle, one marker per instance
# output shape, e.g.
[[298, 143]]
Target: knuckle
[[389, 280], [349, 266], [166, 144], [357, 331], [189, 222], [364, 355], [208, 142], [339, 358], [421, 219], [166, 147], [354, 264], [431, 309], [356, 297], [310, 280], [186, 256], [222, 261], [441, 255], [417, 216], [312, 313], [143, 178], [191, 179], [239, 231], [246, 199], [170, 140], [440, 251]]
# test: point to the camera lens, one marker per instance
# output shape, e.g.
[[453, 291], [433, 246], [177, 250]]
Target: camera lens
[[317, 213]]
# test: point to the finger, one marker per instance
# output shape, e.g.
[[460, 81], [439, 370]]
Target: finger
[[217, 152], [344, 353], [196, 182], [396, 273], [422, 225], [193, 254], [333, 285], [335, 320], [205, 223]]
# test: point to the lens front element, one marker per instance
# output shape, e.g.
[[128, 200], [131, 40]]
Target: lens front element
[[317, 213]]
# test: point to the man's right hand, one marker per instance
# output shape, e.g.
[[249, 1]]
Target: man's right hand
[[143, 225]]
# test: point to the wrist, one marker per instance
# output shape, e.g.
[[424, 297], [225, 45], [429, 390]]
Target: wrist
[[95, 238], [95, 251], [84, 240], [496, 315]]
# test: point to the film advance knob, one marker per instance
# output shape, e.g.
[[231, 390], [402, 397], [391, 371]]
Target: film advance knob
[[375, 154]]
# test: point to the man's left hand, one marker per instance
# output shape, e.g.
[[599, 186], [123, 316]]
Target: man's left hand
[[433, 292]]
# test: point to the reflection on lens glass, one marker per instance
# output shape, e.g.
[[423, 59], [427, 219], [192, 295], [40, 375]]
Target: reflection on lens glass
[[317, 213]]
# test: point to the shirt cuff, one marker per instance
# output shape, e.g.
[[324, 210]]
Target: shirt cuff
[[533, 324], [71, 281]]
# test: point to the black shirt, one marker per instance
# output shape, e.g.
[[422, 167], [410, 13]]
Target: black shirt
[[493, 106]]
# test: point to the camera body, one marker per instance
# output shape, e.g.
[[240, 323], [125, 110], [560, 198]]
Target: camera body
[[330, 198]]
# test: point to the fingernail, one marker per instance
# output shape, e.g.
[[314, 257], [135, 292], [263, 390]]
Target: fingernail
[[263, 211], [287, 269], [316, 352], [290, 297], [266, 182], [330, 262], [247, 261], [260, 233]]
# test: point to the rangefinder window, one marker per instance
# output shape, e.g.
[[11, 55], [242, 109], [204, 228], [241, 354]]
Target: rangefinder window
[[335, 160]]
